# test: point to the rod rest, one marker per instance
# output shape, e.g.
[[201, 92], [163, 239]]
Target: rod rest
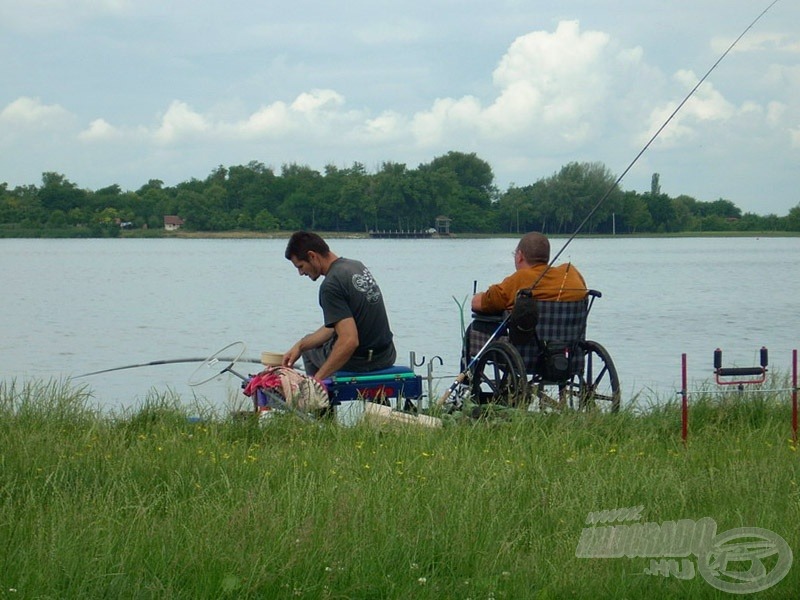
[[739, 371]]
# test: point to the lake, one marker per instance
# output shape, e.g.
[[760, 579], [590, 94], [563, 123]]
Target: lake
[[74, 306]]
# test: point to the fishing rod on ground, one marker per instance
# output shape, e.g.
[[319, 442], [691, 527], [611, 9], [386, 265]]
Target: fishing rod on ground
[[463, 375]]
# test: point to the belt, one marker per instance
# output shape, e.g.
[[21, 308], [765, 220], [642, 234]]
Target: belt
[[368, 353]]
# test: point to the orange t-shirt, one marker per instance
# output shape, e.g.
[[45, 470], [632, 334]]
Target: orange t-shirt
[[563, 283]]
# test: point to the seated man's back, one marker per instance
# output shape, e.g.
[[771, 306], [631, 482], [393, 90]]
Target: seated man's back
[[562, 283]]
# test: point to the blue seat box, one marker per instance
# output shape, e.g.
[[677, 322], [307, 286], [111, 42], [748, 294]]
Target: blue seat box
[[394, 382]]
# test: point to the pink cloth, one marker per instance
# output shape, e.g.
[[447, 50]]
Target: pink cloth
[[266, 380], [297, 390]]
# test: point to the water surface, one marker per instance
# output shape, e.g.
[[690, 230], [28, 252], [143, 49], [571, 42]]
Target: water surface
[[73, 306]]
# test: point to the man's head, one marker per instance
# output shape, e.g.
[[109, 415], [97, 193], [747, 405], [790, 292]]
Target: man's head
[[309, 253], [534, 248]]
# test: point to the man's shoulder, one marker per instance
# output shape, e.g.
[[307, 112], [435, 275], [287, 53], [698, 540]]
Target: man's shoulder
[[566, 267], [342, 271], [347, 264]]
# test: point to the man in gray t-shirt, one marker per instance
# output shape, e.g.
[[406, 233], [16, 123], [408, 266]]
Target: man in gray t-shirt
[[355, 335]]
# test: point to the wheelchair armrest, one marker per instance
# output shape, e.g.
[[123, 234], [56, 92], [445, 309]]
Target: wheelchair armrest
[[488, 317]]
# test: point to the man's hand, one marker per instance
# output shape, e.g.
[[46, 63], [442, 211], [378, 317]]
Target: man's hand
[[291, 355], [312, 340], [477, 300]]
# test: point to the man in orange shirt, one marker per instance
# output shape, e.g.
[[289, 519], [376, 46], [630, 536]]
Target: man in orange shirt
[[562, 283]]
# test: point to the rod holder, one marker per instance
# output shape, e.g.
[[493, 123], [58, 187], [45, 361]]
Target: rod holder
[[752, 374]]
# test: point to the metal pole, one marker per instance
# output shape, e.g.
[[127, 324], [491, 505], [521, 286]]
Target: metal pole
[[684, 401], [794, 396]]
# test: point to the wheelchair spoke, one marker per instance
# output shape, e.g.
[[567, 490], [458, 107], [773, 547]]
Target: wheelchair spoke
[[600, 391]]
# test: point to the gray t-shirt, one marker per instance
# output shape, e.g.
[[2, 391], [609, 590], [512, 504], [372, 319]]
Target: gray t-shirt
[[349, 290]]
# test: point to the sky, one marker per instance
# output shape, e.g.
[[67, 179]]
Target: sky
[[124, 91]]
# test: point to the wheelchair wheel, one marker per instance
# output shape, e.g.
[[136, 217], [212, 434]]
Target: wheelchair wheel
[[599, 389], [596, 387], [498, 376]]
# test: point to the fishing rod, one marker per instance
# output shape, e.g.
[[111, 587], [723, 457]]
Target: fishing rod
[[237, 348], [463, 375], [167, 362]]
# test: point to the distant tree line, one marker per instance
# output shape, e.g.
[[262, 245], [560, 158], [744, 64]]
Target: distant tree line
[[457, 185]]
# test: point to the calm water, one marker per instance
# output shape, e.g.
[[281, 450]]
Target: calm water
[[73, 306]]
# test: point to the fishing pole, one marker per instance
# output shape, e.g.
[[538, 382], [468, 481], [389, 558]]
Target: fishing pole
[[460, 379], [169, 362]]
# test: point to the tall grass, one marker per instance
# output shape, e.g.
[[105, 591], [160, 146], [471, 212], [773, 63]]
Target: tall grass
[[152, 505]]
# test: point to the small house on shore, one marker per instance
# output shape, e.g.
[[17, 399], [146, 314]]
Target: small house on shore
[[172, 222]]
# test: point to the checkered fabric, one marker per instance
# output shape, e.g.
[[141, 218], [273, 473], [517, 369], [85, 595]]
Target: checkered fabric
[[560, 324]]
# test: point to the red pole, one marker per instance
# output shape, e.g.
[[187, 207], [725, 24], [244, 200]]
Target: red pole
[[794, 396], [684, 401]]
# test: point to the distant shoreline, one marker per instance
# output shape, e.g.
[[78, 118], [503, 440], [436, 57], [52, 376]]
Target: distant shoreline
[[233, 234]]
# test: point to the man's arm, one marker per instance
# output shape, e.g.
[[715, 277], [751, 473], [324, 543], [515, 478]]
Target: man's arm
[[346, 343], [312, 340]]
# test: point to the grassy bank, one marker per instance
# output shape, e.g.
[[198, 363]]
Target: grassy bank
[[153, 505]]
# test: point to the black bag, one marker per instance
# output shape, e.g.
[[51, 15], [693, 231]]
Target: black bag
[[555, 361], [523, 319]]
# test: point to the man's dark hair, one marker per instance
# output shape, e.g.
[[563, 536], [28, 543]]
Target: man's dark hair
[[303, 242]]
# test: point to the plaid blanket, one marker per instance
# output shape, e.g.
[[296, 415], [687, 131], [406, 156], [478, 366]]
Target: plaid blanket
[[560, 325]]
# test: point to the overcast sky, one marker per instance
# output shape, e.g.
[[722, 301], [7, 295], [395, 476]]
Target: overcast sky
[[124, 91]]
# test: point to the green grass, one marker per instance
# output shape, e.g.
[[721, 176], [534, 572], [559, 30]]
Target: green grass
[[152, 505]]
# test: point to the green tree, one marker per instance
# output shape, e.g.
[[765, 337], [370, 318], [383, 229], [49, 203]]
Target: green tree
[[350, 200], [301, 203], [388, 190], [793, 219], [252, 188], [517, 210], [58, 193], [474, 176], [662, 213], [265, 221], [634, 216], [574, 194]]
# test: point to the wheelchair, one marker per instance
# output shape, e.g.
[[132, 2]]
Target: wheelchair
[[553, 367]]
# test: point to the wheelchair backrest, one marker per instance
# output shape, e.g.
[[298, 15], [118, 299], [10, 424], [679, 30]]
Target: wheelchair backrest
[[563, 321], [560, 328]]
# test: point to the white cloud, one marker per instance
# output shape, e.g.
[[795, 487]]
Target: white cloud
[[99, 130], [706, 104], [546, 80], [445, 118], [552, 79], [268, 121], [31, 112], [317, 100], [179, 122], [387, 126]]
